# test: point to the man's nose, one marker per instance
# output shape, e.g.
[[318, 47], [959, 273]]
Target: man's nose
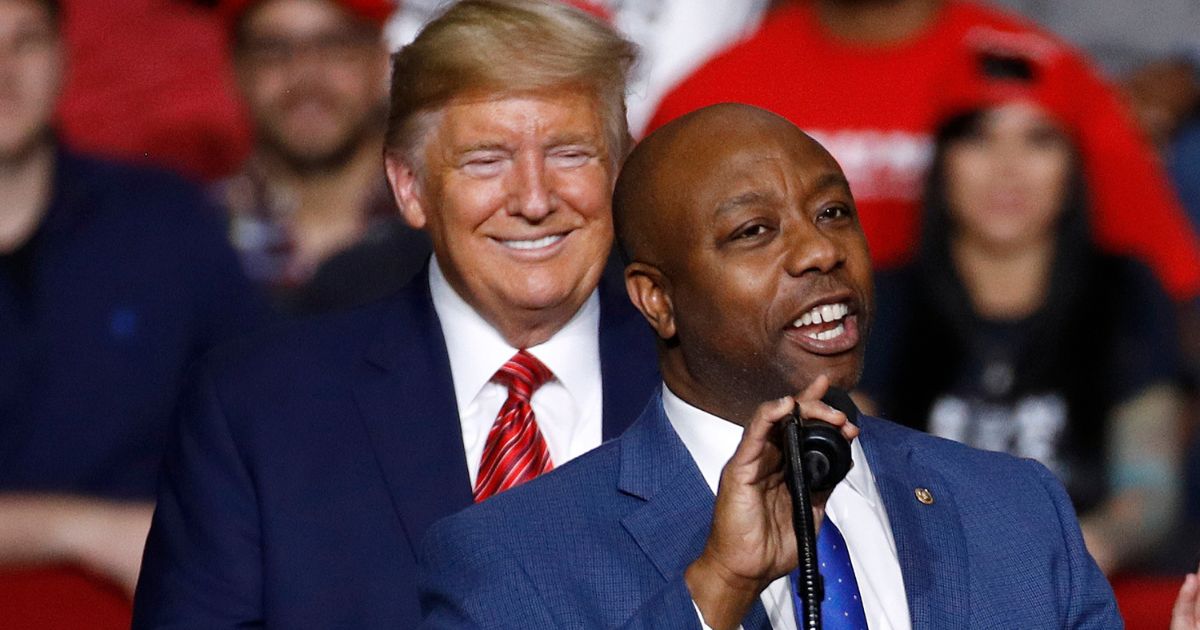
[[811, 249], [533, 197]]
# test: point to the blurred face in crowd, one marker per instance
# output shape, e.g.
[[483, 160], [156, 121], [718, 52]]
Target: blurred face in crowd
[[515, 192], [757, 264], [313, 76], [31, 60], [1007, 179]]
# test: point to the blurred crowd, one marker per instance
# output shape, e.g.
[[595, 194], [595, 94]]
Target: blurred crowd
[[174, 173]]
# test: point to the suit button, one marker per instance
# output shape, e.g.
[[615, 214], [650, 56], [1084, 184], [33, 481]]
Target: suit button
[[924, 496]]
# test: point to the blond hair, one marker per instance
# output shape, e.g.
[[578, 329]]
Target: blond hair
[[506, 47]]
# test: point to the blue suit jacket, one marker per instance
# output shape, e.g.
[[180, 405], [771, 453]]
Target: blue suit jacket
[[604, 540], [310, 461]]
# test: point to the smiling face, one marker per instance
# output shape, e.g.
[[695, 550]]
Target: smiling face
[[515, 194], [755, 267], [313, 77], [31, 61], [1007, 178]]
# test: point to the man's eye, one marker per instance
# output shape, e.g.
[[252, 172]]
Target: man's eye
[[750, 231], [483, 166], [570, 158], [834, 212]]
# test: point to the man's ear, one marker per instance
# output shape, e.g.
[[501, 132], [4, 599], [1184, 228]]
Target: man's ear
[[405, 188], [649, 291]]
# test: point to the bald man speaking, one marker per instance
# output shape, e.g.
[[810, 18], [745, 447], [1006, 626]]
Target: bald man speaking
[[748, 261]]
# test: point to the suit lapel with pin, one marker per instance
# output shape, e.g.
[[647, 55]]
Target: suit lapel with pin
[[926, 526]]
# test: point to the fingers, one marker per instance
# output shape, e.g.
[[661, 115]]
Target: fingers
[[1186, 613], [812, 408], [1183, 602], [769, 414], [1194, 594], [817, 410], [815, 389]]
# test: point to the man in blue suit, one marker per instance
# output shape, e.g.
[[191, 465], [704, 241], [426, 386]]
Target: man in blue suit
[[310, 460], [749, 263]]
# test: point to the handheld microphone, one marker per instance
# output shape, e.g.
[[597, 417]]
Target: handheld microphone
[[817, 458]]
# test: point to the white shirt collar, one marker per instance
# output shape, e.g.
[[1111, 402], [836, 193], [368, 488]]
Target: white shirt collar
[[712, 440], [477, 350]]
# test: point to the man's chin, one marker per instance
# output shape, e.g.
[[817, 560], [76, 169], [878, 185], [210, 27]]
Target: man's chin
[[843, 372], [327, 156], [547, 298], [313, 148]]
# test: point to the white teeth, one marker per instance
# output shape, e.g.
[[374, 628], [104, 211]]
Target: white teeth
[[534, 244], [828, 334], [822, 314]]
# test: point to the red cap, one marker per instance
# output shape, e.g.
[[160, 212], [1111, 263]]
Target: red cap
[[1005, 67], [377, 11]]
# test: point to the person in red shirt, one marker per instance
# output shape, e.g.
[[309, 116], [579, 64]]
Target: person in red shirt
[[867, 79]]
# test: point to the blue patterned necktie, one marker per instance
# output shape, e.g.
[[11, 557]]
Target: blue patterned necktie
[[842, 607]]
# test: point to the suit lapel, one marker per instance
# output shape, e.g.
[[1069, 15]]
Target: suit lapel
[[929, 539], [628, 363], [673, 524], [406, 399]]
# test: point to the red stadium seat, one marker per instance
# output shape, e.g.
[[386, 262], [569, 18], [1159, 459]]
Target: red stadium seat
[[61, 598], [1145, 601]]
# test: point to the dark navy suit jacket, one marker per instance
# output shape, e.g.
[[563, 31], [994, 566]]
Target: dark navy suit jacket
[[311, 460], [603, 541]]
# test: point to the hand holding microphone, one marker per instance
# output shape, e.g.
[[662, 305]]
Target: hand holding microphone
[[753, 539]]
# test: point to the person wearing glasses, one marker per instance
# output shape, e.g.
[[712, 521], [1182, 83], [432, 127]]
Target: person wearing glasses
[[311, 215]]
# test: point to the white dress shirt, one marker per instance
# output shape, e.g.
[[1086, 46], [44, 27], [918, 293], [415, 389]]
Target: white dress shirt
[[854, 506], [567, 407]]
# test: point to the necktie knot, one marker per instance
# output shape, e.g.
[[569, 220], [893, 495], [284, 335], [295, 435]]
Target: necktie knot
[[523, 374], [515, 451]]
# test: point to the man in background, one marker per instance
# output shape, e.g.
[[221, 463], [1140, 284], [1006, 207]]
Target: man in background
[[312, 217], [310, 461], [112, 281]]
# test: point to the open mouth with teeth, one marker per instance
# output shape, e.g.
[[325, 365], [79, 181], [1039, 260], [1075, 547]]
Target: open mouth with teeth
[[826, 328], [823, 322], [531, 244], [544, 245]]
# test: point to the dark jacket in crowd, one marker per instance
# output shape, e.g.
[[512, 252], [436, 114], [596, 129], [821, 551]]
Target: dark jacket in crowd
[[126, 281]]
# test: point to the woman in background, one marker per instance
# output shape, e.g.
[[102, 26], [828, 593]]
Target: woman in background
[[1010, 331]]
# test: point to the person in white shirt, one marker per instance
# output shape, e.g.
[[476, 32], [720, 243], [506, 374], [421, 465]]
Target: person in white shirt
[[310, 460], [747, 259]]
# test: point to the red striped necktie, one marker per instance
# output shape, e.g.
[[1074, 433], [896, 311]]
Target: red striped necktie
[[515, 451]]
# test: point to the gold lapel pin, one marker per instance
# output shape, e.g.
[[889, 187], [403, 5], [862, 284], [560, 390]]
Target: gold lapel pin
[[924, 495]]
